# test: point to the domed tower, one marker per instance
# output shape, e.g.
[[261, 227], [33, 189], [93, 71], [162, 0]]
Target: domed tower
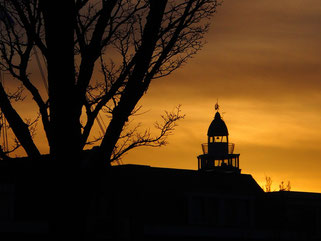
[[218, 152]]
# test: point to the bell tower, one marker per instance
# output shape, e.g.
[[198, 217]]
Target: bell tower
[[218, 152]]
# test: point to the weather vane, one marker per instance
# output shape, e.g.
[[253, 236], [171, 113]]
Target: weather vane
[[217, 106]]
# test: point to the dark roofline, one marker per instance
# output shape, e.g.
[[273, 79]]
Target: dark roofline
[[187, 179], [294, 194]]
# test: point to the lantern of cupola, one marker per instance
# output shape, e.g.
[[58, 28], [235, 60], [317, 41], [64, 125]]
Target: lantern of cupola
[[217, 136]]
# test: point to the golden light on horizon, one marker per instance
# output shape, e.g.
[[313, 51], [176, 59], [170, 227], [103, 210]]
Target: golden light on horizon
[[262, 62]]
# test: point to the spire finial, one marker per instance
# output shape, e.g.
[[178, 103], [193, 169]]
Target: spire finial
[[217, 106]]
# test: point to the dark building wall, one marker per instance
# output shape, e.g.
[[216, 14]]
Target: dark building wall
[[294, 215], [160, 203], [145, 203], [157, 202]]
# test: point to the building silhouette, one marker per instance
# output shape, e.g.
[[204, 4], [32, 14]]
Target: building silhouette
[[215, 202]]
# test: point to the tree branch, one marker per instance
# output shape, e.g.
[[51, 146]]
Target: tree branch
[[133, 138], [18, 126]]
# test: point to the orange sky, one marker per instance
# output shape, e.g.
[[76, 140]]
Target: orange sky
[[262, 61]]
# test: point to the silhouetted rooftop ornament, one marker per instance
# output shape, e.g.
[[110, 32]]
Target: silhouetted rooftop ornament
[[217, 106]]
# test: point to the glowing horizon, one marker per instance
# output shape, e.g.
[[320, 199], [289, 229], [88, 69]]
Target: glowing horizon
[[262, 61]]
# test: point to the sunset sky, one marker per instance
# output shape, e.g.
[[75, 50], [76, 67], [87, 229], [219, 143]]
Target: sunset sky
[[262, 61]]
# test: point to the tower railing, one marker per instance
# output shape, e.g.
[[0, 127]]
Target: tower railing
[[230, 148], [205, 148]]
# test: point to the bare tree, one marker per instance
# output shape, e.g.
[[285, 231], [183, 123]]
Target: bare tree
[[131, 42], [283, 187], [101, 57], [268, 184]]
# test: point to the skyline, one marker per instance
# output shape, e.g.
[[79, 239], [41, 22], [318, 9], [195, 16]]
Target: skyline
[[262, 62]]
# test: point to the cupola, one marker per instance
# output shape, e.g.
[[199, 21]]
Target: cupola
[[218, 152]]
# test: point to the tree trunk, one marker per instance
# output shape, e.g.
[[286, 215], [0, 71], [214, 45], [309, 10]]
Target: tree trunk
[[66, 201], [65, 109]]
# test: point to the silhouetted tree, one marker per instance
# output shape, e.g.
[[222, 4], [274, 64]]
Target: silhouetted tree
[[132, 42], [282, 186], [268, 184]]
